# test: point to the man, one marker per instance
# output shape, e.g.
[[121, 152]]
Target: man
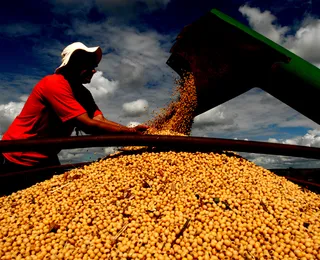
[[58, 104]]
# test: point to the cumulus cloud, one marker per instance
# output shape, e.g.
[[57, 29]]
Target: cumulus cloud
[[250, 115], [214, 117], [24, 98], [135, 108], [305, 41], [273, 140], [7, 113], [277, 161], [137, 58], [12, 109], [110, 150], [264, 23], [100, 87], [81, 155], [133, 124], [311, 139]]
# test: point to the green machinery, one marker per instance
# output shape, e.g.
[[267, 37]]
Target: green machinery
[[227, 59]]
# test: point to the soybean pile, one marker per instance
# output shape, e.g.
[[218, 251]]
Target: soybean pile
[[162, 205]]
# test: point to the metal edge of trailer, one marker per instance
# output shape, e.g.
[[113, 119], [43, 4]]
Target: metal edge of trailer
[[27, 178]]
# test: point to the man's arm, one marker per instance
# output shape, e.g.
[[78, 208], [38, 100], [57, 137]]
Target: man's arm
[[93, 126]]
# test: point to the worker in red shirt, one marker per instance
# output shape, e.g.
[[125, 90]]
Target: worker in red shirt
[[58, 104]]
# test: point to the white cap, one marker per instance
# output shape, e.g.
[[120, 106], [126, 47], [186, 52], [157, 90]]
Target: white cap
[[70, 49]]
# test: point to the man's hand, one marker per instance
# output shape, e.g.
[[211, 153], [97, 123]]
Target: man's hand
[[104, 126]]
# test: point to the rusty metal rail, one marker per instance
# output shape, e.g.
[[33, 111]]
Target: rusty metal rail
[[29, 177], [170, 142]]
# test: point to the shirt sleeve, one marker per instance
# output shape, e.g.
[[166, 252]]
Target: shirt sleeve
[[97, 112], [59, 95]]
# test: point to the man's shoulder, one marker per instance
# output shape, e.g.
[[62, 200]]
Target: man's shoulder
[[53, 81], [52, 84], [55, 78]]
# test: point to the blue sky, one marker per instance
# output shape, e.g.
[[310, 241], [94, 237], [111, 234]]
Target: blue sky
[[133, 79]]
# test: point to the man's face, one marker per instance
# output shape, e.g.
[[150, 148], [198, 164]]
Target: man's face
[[83, 65], [87, 73]]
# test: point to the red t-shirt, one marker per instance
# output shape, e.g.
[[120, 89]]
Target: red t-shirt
[[46, 113]]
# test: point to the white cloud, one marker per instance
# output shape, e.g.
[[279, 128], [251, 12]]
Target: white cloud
[[254, 113], [311, 139], [264, 23], [306, 41], [278, 161], [24, 98], [135, 108], [12, 109], [273, 140], [133, 124], [81, 155], [7, 113], [214, 117], [110, 150], [100, 87], [137, 58]]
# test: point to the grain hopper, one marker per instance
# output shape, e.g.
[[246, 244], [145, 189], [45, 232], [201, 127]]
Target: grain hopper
[[227, 59]]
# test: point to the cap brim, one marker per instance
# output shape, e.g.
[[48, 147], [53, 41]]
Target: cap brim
[[97, 50]]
